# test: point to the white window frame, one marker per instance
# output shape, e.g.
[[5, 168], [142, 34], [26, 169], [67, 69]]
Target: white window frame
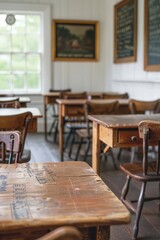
[[45, 11]]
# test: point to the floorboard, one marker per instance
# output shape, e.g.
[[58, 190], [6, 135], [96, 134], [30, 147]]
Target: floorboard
[[47, 151]]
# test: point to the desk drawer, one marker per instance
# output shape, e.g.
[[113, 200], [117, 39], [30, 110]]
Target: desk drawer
[[128, 136]]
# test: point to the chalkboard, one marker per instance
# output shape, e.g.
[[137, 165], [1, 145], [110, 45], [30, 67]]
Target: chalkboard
[[152, 35], [125, 31]]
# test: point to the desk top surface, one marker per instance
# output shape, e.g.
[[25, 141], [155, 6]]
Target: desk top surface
[[54, 194], [83, 101], [122, 121], [21, 99], [12, 111]]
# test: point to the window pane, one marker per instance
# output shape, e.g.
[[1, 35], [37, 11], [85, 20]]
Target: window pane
[[5, 81], [18, 81], [33, 24], [33, 63], [4, 27], [18, 62], [4, 43], [18, 43], [19, 25], [32, 43], [4, 62], [33, 81]]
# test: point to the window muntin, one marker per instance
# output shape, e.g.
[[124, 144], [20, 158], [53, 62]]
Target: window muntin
[[21, 54]]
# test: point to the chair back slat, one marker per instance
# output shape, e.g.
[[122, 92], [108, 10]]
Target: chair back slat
[[18, 122], [142, 107], [149, 131], [10, 146], [10, 103], [115, 96]]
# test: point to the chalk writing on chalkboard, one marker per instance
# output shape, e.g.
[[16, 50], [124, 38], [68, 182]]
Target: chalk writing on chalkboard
[[125, 31], [152, 35]]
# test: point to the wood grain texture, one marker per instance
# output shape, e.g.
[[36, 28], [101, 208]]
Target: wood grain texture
[[46, 195]]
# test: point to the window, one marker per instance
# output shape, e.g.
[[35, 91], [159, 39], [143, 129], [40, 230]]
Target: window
[[22, 56]]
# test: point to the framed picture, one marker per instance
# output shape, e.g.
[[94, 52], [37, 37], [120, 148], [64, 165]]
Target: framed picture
[[74, 40], [125, 31], [152, 36]]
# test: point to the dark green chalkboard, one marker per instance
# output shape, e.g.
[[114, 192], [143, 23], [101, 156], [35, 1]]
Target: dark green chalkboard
[[152, 35], [125, 31]]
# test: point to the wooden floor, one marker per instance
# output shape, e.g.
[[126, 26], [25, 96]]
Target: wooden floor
[[43, 151]]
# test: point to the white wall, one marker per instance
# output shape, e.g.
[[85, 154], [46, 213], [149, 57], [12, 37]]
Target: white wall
[[131, 77], [103, 75]]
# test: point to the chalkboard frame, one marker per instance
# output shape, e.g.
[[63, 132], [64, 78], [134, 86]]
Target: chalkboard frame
[[132, 58], [147, 66]]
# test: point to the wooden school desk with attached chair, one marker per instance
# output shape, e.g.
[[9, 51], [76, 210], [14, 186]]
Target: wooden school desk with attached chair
[[71, 107], [116, 131], [36, 198]]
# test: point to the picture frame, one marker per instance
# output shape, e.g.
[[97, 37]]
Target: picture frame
[[125, 31], [152, 36], [75, 40]]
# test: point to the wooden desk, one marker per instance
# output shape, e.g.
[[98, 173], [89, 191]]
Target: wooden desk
[[116, 131], [35, 111], [48, 100], [37, 197], [23, 100], [70, 107], [51, 97]]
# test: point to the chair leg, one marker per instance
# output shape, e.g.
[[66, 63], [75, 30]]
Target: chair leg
[[119, 154], [113, 159], [87, 150], [78, 149], [72, 142], [67, 139], [125, 189], [139, 210], [55, 132]]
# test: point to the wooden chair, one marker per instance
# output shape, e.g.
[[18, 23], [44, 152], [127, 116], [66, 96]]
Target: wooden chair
[[10, 146], [63, 233], [74, 95], [18, 122], [10, 103], [147, 171], [54, 125], [77, 121], [85, 135], [142, 107], [115, 95]]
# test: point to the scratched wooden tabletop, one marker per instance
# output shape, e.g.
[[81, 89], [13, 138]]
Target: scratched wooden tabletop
[[56, 194]]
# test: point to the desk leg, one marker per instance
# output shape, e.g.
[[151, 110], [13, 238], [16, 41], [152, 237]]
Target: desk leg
[[45, 119], [96, 148], [61, 127]]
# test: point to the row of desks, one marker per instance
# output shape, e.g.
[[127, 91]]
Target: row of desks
[[66, 108]]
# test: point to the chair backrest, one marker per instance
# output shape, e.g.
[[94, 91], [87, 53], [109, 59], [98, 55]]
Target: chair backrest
[[149, 131], [63, 233], [115, 95], [142, 107], [10, 146], [95, 108], [10, 103], [75, 95], [18, 122], [101, 108]]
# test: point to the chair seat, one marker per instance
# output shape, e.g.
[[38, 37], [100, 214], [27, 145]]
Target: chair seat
[[83, 133], [135, 170]]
